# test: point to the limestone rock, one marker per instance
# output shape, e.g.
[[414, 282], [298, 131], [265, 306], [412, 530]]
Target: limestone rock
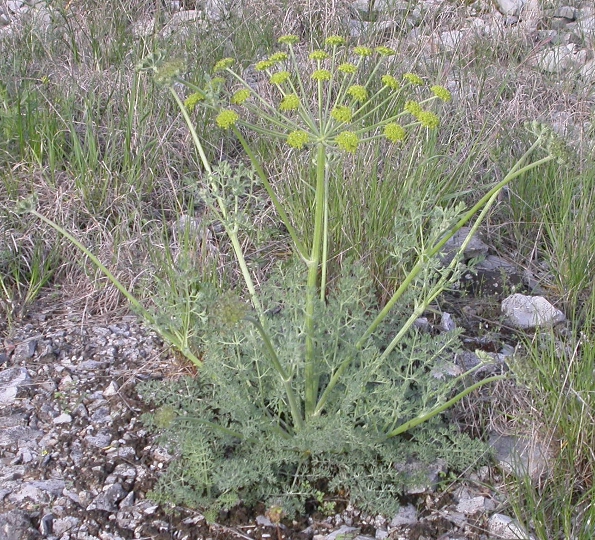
[[504, 527], [530, 311]]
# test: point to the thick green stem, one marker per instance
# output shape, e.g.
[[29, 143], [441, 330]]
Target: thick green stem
[[294, 406], [311, 375], [515, 172], [429, 415]]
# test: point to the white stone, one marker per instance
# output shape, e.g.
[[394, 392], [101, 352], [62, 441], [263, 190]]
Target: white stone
[[530, 311], [111, 390], [474, 505], [62, 419], [11, 380], [506, 528], [509, 7]]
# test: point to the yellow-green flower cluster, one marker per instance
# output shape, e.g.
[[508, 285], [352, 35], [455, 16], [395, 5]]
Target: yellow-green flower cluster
[[223, 64], [321, 75], [263, 65], [441, 93], [227, 118], [385, 51], [413, 79], [348, 141], [428, 119], [240, 96], [363, 51], [413, 108], [279, 78], [192, 101], [335, 41], [289, 103], [279, 56], [297, 139], [347, 68], [358, 92], [390, 82], [394, 132], [289, 39], [318, 55], [341, 113]]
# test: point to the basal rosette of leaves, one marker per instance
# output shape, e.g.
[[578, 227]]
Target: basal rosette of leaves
[[302, 384]]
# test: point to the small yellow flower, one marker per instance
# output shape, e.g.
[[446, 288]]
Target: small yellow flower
[[279, 56], [394, 132], [192, 101], [264, 65], [227, 118], [391, 82], [279, 78], [348, 141], [358, 92], [441, 93], [297, 139], [363, 51], [289, 103], [428, 119], [240, 96], [413, 79], [385, 51], [413, 108], [347, 68], [341, 113], [318, 55], [289, 39], [335, 41], [223, 64], [321, 75]]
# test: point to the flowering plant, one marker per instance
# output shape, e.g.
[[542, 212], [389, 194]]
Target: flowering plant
[[288, 396]]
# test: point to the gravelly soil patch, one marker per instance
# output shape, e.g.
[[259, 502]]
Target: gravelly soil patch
[[77, 462]]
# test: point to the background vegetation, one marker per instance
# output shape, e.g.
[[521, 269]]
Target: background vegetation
[[107, 154]]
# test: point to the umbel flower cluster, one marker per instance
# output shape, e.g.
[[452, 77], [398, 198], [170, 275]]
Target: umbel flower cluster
[[343, 97]]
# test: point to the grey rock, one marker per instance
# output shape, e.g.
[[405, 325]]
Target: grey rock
[[25, 350], [101, 440], [447, 323], [63, 525], [475, 505], [46, 524], [344, 533], [560, 58], [530, 311], [521, 456], [38, 492], [475, 248], [107, 500], [493, 275], [501, 526], [565, 12], [19, 435], [428, 475], [407, 515], [16, 525], [11, 380]]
